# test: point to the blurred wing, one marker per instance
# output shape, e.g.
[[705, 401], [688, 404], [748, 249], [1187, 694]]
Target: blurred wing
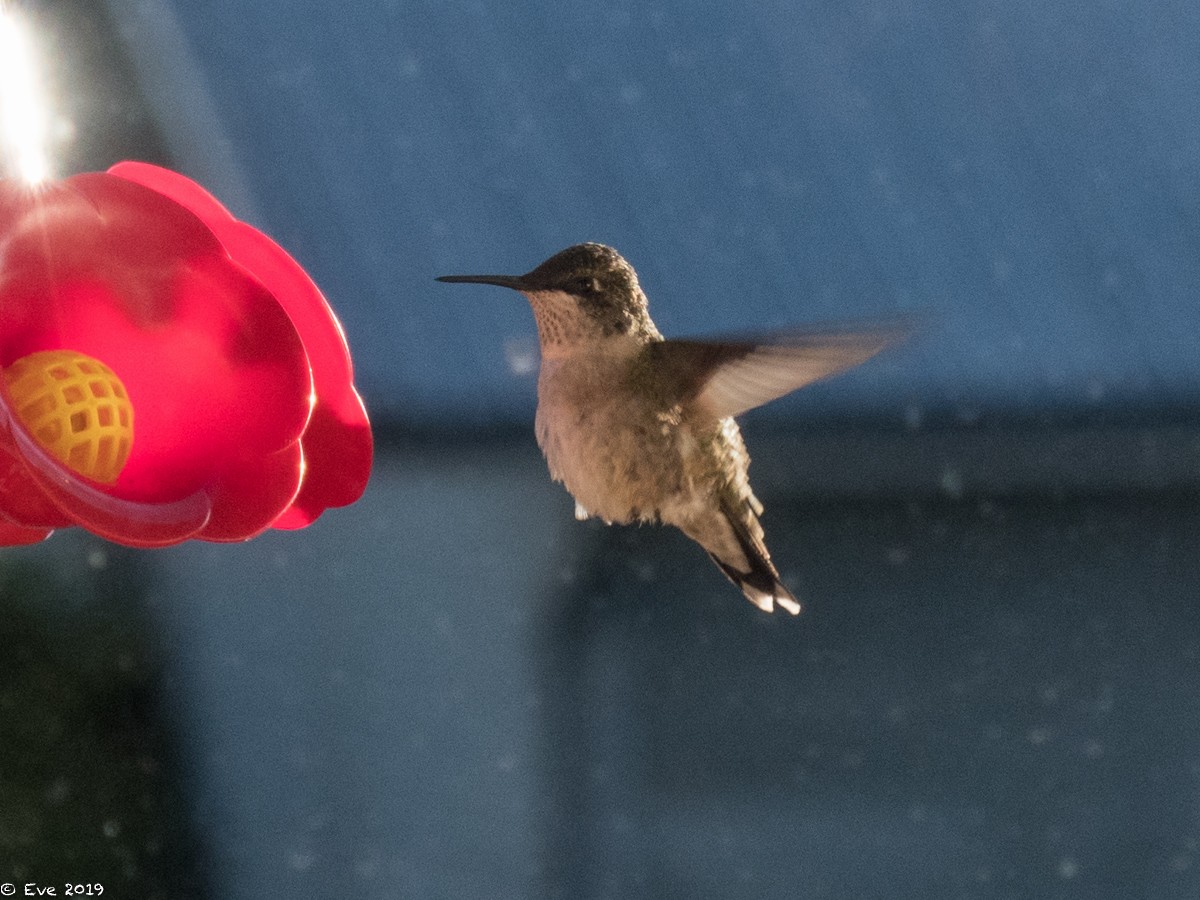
[[726, 378]]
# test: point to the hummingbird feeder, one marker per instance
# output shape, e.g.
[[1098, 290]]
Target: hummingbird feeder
[[169, 372]]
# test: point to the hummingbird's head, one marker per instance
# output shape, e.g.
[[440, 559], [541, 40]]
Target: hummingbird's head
[[585, 293]]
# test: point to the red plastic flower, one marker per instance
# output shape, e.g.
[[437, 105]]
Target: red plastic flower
[[202, 387]]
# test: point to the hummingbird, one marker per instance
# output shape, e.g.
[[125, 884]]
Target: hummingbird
[[640, 428]]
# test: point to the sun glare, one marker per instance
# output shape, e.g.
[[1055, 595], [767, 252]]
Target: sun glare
[[22, 108]]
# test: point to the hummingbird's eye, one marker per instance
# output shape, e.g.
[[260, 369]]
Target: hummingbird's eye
[[587, 285]]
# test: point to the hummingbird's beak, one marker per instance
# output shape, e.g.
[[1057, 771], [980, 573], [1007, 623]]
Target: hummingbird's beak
[[516, 282]]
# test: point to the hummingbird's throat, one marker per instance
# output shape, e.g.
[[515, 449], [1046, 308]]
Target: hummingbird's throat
[[565, 324], [561, 324]]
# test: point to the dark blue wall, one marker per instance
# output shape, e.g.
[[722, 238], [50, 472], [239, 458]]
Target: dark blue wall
[[1026, 173]]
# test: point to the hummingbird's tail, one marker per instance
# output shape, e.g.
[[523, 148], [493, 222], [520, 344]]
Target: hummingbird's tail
[[760, 582]]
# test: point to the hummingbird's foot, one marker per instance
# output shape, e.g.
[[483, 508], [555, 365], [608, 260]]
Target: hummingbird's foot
[[581, 514]]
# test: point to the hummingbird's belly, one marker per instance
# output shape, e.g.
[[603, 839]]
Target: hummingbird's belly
[[618, 460], [602, 461], [625, 458], [624, 465]]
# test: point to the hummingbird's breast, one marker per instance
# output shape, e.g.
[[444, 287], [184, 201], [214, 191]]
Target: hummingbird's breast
[[622, 454]]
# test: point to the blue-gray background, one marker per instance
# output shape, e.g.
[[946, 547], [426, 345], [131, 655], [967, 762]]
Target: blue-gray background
[[1026, 174], [454, 690]]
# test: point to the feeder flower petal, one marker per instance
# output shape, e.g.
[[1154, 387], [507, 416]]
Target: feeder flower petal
[[169, 372]]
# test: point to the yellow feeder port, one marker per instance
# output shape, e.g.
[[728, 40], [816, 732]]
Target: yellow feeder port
[[77, 408]]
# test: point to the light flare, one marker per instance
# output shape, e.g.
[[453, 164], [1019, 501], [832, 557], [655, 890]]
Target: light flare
[[23, 111]]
